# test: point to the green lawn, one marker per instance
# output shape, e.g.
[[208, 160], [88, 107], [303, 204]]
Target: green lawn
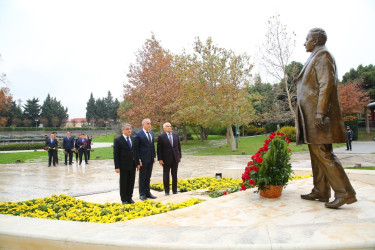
[[361, 168], [363, 136], [215, 146], [250, 146], [105, 138]]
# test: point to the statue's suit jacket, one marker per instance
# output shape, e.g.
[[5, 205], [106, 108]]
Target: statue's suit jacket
[[317, 94]]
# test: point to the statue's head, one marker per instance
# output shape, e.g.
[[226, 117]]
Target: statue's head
[[319, 35], [315, 37]]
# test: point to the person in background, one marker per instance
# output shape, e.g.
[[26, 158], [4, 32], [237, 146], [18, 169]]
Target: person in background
[[169, 155], [82, 145], [88, 147], [57, 148], [76, 151], [68, 146], [51, 143], [349, 133]]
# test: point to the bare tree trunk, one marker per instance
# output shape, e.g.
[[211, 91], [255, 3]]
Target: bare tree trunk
[[228, 141], [232, 139], [289, 98], [202, 133], [184, 133], [367, 121]]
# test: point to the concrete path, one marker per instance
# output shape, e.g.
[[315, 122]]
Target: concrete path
[[242, 220]]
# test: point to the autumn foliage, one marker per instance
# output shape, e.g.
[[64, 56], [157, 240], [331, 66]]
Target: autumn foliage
[[152, 85], [5, 101], [353, 98]]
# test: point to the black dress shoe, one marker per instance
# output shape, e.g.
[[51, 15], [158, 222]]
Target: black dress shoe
[[313, 197], [131, 201], [338, 202], [143, 198], [49, 165], [151, 196], [65, 164], [174, 192], [54, 165], [125, 202], [166, 194]]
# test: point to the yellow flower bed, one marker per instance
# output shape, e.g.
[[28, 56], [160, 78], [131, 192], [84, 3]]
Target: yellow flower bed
[[211, 183], [64, 207], [298, 177]]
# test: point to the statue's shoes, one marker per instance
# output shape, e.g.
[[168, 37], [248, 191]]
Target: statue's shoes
[[313, 197], [338, 202]]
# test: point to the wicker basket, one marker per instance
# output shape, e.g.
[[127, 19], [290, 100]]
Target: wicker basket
[[271, 191]]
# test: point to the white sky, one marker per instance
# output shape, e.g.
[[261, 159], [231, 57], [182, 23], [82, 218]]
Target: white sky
[[71, 48]]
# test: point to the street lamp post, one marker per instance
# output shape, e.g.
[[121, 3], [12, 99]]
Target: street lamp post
[[36, 124]]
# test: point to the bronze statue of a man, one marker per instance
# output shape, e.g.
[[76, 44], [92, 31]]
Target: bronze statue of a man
[[320, 122]]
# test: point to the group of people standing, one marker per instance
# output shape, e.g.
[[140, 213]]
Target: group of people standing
[[80, 146], [138, 153]]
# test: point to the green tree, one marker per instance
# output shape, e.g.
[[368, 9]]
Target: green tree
[[14, 115], [31, 111], [54, 111], [90, 110], [364, 74]]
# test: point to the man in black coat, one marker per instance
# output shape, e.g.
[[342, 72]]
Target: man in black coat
[[68, 146], [146, 149], [169, 155], [82, 144], [51, 143], [125, 155], [349, 133]]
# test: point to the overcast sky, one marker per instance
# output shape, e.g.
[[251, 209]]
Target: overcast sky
[[71, 48]]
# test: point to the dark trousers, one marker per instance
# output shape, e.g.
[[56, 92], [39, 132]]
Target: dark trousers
[[328, 172], [144, 179], [88, 154], [56, 156], [51, 157], [76, 156], [127, 180], [82, 151], [166, 170], [349, 144], [70, 154]]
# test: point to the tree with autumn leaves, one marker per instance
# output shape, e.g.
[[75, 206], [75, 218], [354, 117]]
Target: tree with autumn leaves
[[205, 89], [152, 86], [5, 99], [353, 98]]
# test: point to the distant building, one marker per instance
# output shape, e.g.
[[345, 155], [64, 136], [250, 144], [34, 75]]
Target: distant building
[[77, 123]]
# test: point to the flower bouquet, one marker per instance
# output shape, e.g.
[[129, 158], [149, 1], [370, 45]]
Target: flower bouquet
[[270, 166]]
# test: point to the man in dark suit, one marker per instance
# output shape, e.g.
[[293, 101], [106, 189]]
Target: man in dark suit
[[82, 145], [320, 122], [89, 141], [68, 146], [146, 149], [51, 143], [169, 155], [126, 160]]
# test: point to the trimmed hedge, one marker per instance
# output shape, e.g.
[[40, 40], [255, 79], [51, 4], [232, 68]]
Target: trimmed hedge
[[50, 128], [290, 132], [253, 130], [22, 146]]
